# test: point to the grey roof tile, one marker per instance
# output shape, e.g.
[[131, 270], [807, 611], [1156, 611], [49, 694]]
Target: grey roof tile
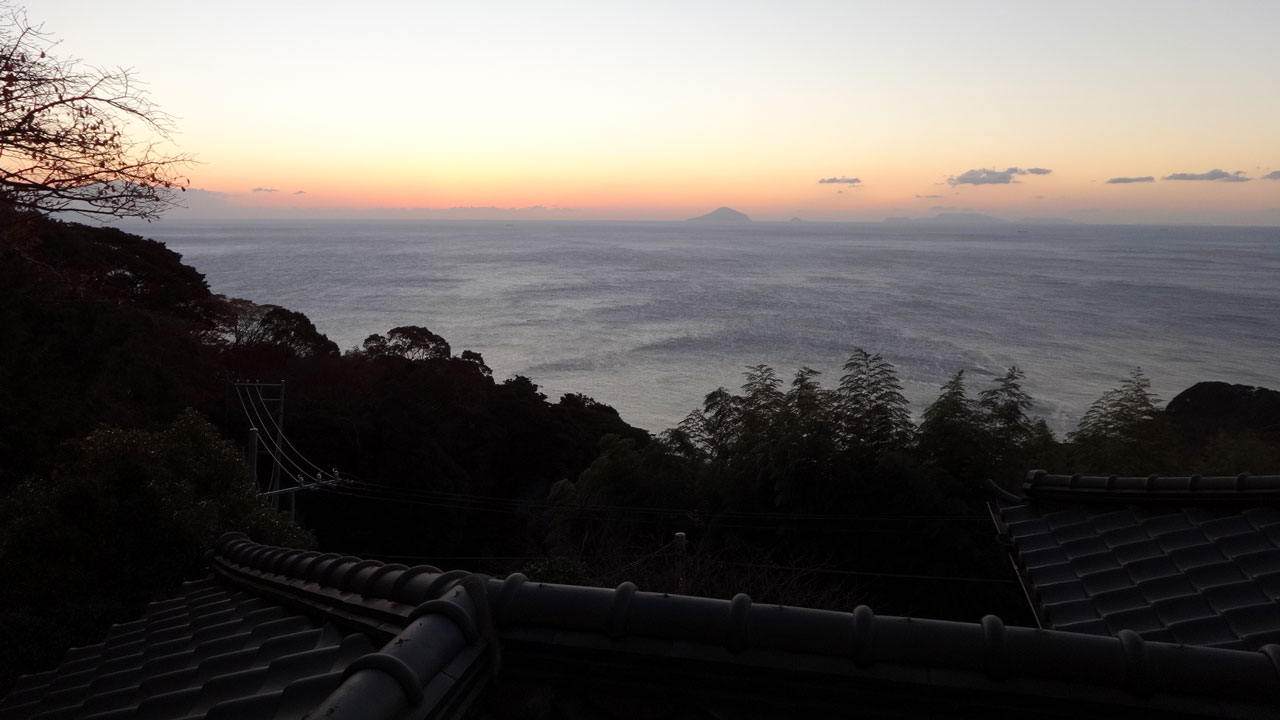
[[286, 665], [1074, 611], [1207, 572], [1208, 576], [1254, 619], [1223, 527], [1164, 588], [1142, 620], [1245, 543], [1209, 630], [1125, 536], [1048, 556], [1196, 555], [1066, 591], [1097, 562], [1269, 584], [1133, 552], [1259, 563], [1262, 517], [1166, 523], [1118, 600], [1088, 545], [1182, 609], [1112, 521], [1180, 539], [1235, 595], [1151, 568], [1106, 581]]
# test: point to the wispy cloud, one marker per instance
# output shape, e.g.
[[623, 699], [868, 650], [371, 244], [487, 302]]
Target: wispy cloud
[[300, 192], [840, 181], [988, 176], [265, 189], [1127, 180], [1273, 175], [927, 197], [1215, 174]]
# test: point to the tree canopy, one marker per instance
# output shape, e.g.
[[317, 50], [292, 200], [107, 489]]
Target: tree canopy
[[76, 138]]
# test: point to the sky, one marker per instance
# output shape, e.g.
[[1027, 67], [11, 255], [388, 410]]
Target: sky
[[1151, 112]]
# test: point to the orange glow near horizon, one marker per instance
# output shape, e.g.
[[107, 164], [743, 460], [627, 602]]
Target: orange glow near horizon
[[674, 109]]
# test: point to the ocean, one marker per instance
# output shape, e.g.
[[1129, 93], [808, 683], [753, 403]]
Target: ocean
[[649, 317]]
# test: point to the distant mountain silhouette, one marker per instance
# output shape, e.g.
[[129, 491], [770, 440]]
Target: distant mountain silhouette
[[1046, 221], [722, 215], [951, 218], [796, 220]]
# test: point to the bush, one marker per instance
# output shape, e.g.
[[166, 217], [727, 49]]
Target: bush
[[124, 522]]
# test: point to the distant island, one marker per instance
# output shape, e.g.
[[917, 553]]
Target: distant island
[[722, 215]]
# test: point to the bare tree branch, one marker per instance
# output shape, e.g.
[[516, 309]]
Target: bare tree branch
[[76, 138]]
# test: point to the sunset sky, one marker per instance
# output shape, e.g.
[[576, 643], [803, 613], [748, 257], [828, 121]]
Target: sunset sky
[[663, 110]]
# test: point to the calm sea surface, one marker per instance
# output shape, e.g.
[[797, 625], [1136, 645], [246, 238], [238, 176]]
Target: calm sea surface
[[649, 317]]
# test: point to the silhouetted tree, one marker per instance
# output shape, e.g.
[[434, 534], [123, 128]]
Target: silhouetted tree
[[1119, 411], [69, 133], [243, 324], [1124, 431], [1004, 408], [874, 412], [951, 433], [410, 342], [478, 359]]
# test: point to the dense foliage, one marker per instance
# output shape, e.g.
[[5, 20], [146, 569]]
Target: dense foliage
[[129, 515], [116, 364], [107, 340]]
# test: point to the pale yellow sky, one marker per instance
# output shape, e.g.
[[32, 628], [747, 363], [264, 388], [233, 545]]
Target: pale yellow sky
[[662, 110]]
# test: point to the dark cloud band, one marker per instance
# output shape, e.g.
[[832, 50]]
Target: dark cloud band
[[988, 176], [1127, 180], [1212, 175]]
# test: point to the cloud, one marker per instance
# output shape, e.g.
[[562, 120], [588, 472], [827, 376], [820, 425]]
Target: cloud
[[1215, 174], [300, 192], [840, 180], [927, 197], [1127, 180], [1273, 175], [987, 176], [265, 189]]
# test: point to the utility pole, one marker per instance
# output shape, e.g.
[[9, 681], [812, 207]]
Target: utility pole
[[269, 397]]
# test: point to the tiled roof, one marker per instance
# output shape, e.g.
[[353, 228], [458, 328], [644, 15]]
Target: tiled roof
[[1186, 560], [228, 649], [445, 632], [199, 654]]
